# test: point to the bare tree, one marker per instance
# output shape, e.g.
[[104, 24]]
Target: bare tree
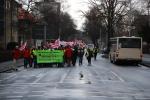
[[28, 4], [93, 24], [113, 12]]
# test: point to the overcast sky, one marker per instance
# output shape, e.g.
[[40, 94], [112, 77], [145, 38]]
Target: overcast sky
[[75, 6]]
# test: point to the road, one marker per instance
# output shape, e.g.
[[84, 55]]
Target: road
[[101, 81]]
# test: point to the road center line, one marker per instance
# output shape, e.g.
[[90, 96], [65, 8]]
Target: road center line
[[64, 76]]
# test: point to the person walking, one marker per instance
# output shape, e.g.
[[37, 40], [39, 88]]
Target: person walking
[[75, 55], [68, 55], [34, 57], [95, 51], [27, 57], [16, 55], [89, 55], [80, 55]]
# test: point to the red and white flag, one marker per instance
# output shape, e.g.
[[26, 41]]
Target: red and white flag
[[56, 44], [23, 46]]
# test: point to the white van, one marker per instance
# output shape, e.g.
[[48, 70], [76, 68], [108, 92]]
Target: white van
[[91, 46]]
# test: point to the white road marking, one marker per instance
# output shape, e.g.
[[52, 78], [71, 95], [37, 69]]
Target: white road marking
[[9, 77], [14, 96], [64, 76], [34, 95], [40, 76], [121, 79]]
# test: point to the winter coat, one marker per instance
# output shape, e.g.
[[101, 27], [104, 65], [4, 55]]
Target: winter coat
[[68, 53], [27, 53], [16, 54], [89, 53], [80, 52]]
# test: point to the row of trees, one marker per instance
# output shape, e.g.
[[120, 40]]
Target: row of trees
[[59, 23], [109, 18]]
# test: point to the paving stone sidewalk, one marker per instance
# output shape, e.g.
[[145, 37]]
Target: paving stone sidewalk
[[4, 66]]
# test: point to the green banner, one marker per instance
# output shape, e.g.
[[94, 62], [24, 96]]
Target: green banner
[[49, 56]]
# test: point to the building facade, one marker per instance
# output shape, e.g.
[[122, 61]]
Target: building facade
[[8, 22], [2, 23], [25, 22]]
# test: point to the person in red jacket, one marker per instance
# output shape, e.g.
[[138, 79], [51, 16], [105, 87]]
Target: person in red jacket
[[16, 56], [68, 55], [27, 57]]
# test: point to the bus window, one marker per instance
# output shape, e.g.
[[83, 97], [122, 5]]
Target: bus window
[[130, 43]]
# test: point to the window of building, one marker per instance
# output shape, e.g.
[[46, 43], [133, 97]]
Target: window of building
[[7, 4]]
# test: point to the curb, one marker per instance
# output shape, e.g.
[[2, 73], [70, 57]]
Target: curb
[[5, 70], [6, 66], [147, 64]]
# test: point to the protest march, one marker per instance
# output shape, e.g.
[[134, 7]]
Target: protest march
[[57, 52]]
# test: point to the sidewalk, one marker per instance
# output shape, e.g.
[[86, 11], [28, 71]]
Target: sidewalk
[[4, 66], [146, 60]]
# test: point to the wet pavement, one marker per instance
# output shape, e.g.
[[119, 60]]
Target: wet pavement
[[146, 60], [101, 81]]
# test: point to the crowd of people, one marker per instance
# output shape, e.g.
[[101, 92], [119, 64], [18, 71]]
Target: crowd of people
[[71, 54]]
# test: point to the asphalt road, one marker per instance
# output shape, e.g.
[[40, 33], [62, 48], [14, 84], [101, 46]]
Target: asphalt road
[[101, 81]]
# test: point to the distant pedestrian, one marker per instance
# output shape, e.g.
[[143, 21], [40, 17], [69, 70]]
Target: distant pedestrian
[[95, 51], [75, 55], [80, 55], [27, 57], [89, 55], [34, 58], [68, 55], [16, 56], [61, 64]]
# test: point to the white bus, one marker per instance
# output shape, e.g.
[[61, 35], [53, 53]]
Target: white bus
[[126, 49]]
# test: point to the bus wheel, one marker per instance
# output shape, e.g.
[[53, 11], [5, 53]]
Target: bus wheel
[[136, 63]]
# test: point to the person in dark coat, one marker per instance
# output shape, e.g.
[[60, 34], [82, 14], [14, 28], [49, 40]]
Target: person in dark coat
[[95, 51], [80, 55], [74, 56]]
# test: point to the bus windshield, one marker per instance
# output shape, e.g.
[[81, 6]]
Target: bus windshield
[[130, 42]]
